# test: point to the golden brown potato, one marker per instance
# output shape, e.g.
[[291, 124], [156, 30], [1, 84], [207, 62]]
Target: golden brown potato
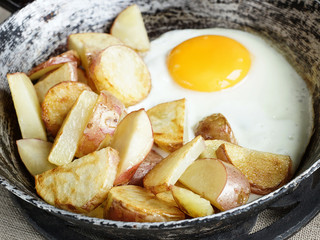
[[190, 203], [121, 71], [58, 102], [211, 148], [98, 212], [219, 182], [81, 185], [67, 72], [215, 126], [168, 124], [88, 45], [131, 203], [103, 121], [265, 171], [167, 197], [152, 159], [66, 142], [82, 76], [129, 28], [53, 63], [167, 172]]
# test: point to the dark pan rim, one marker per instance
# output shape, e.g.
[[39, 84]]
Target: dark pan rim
[[254, 206], [257, 205]]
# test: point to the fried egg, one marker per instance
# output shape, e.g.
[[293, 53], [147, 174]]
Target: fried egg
[[240, 75]]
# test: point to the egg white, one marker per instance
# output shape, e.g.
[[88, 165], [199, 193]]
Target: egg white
[[269, 110]]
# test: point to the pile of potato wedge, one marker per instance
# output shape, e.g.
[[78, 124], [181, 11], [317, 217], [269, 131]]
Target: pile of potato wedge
[[89, 155]]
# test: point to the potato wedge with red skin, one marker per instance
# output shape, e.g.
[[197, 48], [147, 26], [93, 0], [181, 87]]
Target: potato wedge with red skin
[[67, 72], [53, 63], [219, 182], [129, 28], [168, 124], [82, 185], [131, 203], [215, 126], [167, 172], [167, 197], [89, 44], [133, 139], [34, 155], [103, 121], [152, 159], [66, 142], [191, 203], [211, 148], [121, 71], [58, 102], [107, 140], [27, 106], [265, 171]]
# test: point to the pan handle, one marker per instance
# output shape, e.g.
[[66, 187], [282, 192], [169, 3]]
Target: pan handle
[[14, 5]]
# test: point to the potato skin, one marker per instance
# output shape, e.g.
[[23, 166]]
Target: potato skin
[[152, 159], [237, 190], [40, 70], [215, 126], [103, 121], [131, 203]]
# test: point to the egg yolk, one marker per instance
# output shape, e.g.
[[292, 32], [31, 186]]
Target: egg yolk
[[208, 63]]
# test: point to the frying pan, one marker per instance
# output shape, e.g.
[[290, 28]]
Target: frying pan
[[40, 30]]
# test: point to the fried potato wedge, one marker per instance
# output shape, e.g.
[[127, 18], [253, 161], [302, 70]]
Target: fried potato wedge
[[215, 126], [34, 154], [167, 197], [191, 203], [152, 159], [219, 182], [82, 185], [27, 106], [58, 102], [82, 76], [67, 140], [133, 139], [121, 71], [265, 171], [103, 121], [131, 203], [211, 148], [67, 72], [98, 212], [53, 63], [88, 45], [129, 28], [168, 124], [167, 172]]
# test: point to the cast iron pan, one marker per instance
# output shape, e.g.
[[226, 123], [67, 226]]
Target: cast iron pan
[[40, 30]]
